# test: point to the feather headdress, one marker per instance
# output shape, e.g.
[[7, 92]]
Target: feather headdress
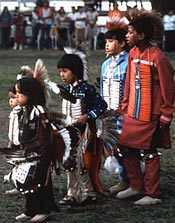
[[147, 21], [116, 20], [83, 58], [108, 130], [40, 73], [25, 71]]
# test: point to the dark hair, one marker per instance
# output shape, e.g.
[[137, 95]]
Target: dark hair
[[91, 7], [12, 88], [144, 26], [33, 90], [46, 1], [118, 34], [73, 63], [5, 8]]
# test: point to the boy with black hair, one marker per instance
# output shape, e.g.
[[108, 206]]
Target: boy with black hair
[[147, 105], [82, 179], [112, 80]]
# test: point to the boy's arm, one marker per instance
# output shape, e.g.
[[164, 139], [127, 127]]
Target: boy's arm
[[58, 89], [167, 87], [98, 105]]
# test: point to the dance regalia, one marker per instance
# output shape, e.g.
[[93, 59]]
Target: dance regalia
[[113, 74], [89, 102], [148, 100], [13, 133], [43, 144], [143, 100], [28, 161], [85, 92], [112, 82]]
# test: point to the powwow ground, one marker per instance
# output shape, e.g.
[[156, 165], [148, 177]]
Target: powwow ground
[[108, 209]]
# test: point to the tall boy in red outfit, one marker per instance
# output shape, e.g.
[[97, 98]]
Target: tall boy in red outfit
[[147, 105]]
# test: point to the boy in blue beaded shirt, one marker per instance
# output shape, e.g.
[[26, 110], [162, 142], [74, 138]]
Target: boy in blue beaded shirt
[[112, 80]]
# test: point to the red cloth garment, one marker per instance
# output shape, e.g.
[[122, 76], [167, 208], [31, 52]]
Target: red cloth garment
[[132, 164], [92, 162], [135, 132], [153, 172], [161, 136], [20, 36]]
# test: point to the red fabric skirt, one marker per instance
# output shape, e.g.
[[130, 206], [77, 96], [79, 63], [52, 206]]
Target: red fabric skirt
[[140, 134]]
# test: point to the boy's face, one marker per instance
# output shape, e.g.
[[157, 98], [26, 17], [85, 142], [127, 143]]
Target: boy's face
[[12, 100], [67, 76], [132, 37], [22, 99], [113, 47]]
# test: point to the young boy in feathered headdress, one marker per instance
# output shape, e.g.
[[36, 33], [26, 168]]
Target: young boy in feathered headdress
[[82, 178]]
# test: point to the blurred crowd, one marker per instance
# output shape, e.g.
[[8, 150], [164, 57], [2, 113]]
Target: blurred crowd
[[52, 29]]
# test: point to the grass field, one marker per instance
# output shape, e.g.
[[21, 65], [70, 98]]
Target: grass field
[[108, 209]]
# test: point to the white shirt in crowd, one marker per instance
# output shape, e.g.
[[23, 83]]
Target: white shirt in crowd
[[80, 24], [169, 22]]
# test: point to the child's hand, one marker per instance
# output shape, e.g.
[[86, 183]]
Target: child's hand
[[82, 120], [9, 145]]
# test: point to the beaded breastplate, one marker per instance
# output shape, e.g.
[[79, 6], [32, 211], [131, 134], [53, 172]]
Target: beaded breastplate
[[112, 86], [140, 90]]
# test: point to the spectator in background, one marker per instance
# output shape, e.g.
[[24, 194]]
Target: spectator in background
[[88, 3], [98, 4], [54, 37], [92, 16], [39, 3], [20, 36], [114, 9], [16, 11], [5, 24], [111, 4], [54, 32], [169, 27], [62, 23], [46, 16], [80, 28], [71, 17], [35, 26]]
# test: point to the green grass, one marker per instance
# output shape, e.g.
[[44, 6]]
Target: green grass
[[108, 209]]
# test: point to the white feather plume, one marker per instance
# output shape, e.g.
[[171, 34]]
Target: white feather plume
[[40, 70], [25, 71], [41, 74]]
